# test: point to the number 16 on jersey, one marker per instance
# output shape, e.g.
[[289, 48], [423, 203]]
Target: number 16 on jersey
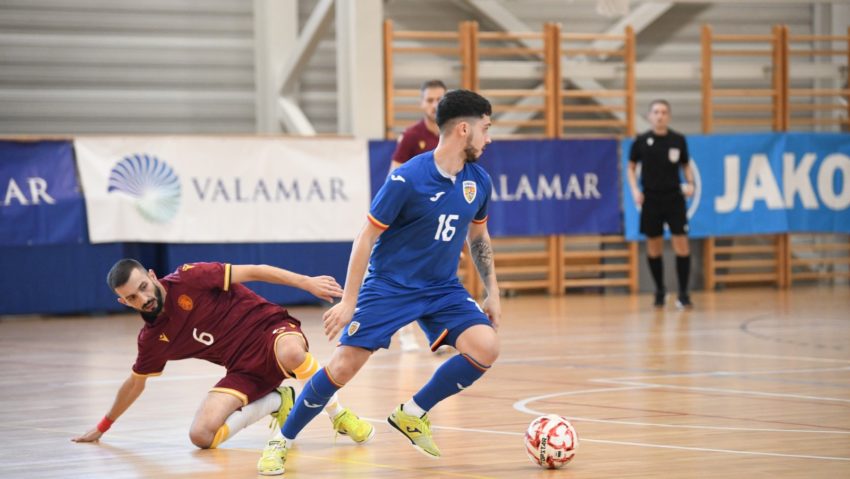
[[446, 230]]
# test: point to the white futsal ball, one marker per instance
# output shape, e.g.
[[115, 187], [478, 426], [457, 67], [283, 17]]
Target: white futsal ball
[[551, 441]]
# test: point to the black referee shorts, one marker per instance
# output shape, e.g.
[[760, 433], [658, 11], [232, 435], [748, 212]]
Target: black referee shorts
[[660, 208]]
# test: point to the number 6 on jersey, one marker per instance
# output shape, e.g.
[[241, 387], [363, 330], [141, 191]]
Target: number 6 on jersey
[[203, 338], [446, 228]]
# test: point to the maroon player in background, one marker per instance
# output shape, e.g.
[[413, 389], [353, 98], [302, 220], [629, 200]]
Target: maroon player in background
[[203, 311], [423, 135]]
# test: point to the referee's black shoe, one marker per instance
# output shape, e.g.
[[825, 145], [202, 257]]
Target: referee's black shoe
[[684, 301], [659, 299]]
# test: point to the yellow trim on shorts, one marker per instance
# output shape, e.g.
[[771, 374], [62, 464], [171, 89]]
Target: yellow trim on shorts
[[227, 267], [148, 375], [240, 395], [286, 373]]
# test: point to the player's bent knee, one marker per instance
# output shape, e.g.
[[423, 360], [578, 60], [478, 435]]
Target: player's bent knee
[[481, 344], [201, 437], [345, 363], [290, 352], [489, 353]]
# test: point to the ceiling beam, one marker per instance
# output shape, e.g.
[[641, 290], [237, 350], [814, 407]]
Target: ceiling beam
[[290, 113]]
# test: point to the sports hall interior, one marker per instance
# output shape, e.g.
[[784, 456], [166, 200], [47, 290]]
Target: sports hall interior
[[748, 383]]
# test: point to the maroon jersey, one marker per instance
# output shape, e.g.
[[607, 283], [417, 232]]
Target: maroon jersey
[[415, 140], [205, 317]]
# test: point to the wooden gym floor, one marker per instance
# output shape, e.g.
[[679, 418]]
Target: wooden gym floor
[[753, 383]]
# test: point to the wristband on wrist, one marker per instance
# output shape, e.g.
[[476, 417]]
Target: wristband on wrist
[[104, 424]]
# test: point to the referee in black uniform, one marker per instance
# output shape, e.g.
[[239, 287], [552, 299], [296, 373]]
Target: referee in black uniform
[[662, 153]]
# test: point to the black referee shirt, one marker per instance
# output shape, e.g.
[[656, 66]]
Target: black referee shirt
[[662, 156]]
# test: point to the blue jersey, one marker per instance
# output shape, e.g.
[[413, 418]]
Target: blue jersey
[[426, 217]]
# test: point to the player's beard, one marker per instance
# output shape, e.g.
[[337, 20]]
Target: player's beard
[[152, 315], [470, 153]]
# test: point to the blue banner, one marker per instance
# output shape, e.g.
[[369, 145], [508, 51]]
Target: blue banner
[[762, 184], [541, 187], [380, 157], [550, 187], [41, 202]]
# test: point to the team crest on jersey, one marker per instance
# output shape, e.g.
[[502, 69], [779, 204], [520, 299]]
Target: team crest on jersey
[[163, 337], [353, 327], [421, 144], [187, 267], [185, 302], [470, 189]]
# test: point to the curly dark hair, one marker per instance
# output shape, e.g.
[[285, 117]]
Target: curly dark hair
[[461, 104]]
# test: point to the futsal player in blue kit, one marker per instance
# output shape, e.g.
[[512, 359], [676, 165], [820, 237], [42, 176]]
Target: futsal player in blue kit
[[411, 245]]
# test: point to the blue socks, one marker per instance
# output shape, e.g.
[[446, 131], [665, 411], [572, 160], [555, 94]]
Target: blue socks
[[312, 400], [455, 375]]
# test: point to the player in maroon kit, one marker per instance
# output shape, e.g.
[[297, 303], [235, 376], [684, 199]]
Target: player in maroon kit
[[423, 135], [203, 311]]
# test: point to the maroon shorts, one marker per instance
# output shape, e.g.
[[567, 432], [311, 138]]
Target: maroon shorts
[[258, 372]]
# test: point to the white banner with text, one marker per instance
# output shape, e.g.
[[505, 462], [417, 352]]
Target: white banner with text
[[223, 190]]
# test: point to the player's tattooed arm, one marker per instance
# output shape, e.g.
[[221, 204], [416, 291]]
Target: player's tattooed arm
[[482, 256], [481, 250]]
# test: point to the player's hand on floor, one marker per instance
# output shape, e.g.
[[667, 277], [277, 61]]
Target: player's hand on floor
[[324, 287], [336, 318], [493, 309], [92, 436]]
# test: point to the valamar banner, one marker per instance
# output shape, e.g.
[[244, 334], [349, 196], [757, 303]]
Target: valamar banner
[[220, 190], [41, 202], [762, 184], [541, 187], [548, 187]]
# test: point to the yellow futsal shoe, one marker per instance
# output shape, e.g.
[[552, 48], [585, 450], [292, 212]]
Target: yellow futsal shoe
[[274, 457], [417, 429], [287, 400], [347, 423]]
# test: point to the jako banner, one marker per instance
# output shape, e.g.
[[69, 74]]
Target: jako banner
[[761, 184], [41, 202]]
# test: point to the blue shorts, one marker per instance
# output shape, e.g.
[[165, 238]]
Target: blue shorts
[[443, 312]]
